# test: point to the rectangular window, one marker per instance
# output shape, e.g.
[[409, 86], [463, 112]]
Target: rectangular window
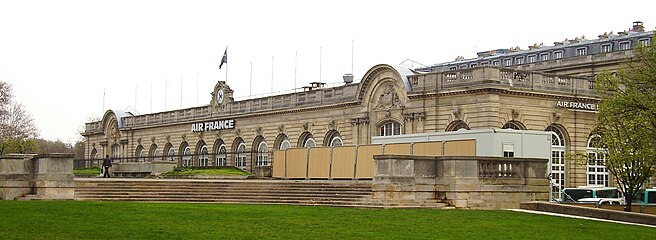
[[495, 63], [625, 45], [531, 59], [519, 60], [473, 65], [645, 42], [558, 55], [581, 51], [606, 48], [507, 62], [508, 150], [544, 57], [453, 68], [462, 67], [484, 63]]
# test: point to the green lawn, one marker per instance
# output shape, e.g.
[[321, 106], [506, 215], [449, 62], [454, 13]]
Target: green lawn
[[87, 171], [122, 220]]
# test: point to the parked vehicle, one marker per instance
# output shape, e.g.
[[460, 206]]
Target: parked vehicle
[[592, 194], [645, 197]]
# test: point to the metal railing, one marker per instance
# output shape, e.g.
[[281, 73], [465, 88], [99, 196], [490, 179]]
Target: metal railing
[[244, 160]]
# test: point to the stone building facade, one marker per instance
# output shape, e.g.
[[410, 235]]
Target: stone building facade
[[389, 100]]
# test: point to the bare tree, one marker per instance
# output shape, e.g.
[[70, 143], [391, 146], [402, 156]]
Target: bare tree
[[17, 128]]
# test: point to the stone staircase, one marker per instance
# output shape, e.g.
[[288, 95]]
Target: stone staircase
[[289, 192]]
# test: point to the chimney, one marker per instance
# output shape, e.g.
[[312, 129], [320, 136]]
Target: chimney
[[637, 27], [348, 78]]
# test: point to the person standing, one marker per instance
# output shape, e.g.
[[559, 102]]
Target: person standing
[[107, 163]]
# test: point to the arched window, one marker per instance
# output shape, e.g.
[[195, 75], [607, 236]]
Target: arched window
[[282, 142], [141, 154], [171, 154], [390, 128], [306, 140], [186, 156], [240, 159], [285, 144], [557, 163], [516, 125], [457, 125], [169, 151], [596, 167], [203, 156], [154, 152], [116, 151], [221, 156], [333, 139], [262, 154], [310, 143]]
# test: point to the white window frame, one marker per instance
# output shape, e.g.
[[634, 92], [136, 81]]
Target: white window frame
[[186, 156], [626, 45], [116, 151], [582, 51], [142, 155], [390, 128], [495, 63], [507, 62], [240, 157], [544, 56], [557, 164], [519, 60], [558, 54], [597, 173], [221, 156], [262, 154], [309, 143], [336, 142], [645, 41], [203, 158], [171, 154], [531, 58], [606, 48], [473, 65], [285, 144]]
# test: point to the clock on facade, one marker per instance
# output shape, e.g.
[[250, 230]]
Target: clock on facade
[[219, 96]]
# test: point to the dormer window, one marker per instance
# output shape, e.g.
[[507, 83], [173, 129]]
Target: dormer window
[[645, 42], [581, 51], [606, 48], [625, 45], [519, 60], [507, 62], [544, 57], [530, 59], [558, 55]]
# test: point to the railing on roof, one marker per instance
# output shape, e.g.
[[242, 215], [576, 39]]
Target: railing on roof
[[502, 77]]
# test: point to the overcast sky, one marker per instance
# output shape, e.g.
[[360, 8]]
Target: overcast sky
[[60, 56]]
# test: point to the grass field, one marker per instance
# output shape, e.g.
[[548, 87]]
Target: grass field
[[124, 220]]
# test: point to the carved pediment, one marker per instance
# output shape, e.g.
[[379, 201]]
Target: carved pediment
[[388, 99]]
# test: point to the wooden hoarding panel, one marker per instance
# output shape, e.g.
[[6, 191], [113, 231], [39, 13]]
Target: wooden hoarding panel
[[278, 164], [319, 162], [365, 161], [397, 148], [343, 162], [460, 148], [297, 162], [427, 149]]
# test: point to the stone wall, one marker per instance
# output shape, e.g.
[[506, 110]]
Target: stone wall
[[466, 182], [43, 176]]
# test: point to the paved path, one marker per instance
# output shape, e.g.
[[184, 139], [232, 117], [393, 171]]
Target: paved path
[[579, 217]]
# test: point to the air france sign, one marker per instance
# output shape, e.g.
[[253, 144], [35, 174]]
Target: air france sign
[[577, 105], [213, 125]]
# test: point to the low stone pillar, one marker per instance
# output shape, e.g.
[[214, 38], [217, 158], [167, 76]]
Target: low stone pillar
[[16, 176], [53, 176], [404, 178], [263, 171]]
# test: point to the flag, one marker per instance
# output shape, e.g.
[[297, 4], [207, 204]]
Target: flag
[[224, 59]]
